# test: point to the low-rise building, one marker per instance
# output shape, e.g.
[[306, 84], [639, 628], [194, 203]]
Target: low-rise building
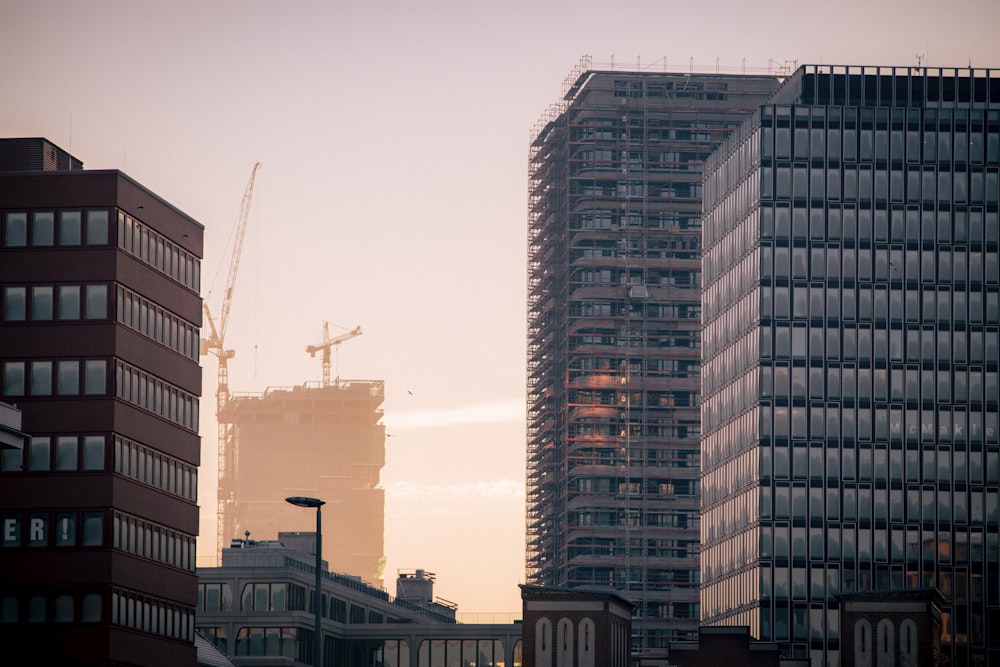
[[258, 609]]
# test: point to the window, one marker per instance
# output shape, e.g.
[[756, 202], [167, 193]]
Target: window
[[95, 380], [93, 529], [38, 454], [41, 378], [62, 609], [43, 228], [69, 228], [66, 452], [14, 304], [96, 302], [68, 377], [13, 378], [69, 302], [16, 230], [41, 303], [93, 452], [97, 227]]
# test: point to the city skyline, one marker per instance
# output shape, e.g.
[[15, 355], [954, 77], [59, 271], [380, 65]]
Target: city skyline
[[390, 137]]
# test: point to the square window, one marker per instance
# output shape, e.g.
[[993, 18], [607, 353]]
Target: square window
[[41, 378], [93, 452], [14, 304], [10, 460], [97, 302], [69, 302], [97, 227], [68, 380], [90, 607], [69, 228], [65, 529], [95, 380], [93, 529], [38, 454], [8, 609], [13, 378], [66, 452], [41, 303], [62, 610], [16, 230], [43, 228]]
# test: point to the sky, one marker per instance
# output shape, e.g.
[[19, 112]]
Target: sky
[[393, 138]]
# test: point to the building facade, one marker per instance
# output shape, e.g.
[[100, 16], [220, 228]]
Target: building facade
[[99, 318], [571, 626], [257, 608], [850, 355], [324, 441], [613, 336]]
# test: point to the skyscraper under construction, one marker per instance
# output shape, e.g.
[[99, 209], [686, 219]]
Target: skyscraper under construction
[[613, 335], [324, 440]]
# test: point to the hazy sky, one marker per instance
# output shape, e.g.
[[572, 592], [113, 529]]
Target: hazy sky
[[393, 192]]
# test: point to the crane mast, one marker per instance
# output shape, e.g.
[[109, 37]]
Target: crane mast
[[326, 343], [215, 343]]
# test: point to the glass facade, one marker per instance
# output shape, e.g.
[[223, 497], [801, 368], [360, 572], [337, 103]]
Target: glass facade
[[851, 324], [615, 285]]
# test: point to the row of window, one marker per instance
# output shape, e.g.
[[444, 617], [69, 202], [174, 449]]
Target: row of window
[[941, 266], [862, 227], [60, 607], [657, 220], [146, 465], [151, 247], [924, 464], [916, 185], [655, 457], [686, 518], [142, 389], [55, 302], [144, 316], [70, 228], [930, 505], [898, 385], [64, 377], [152, 615], [961, 136], [87, 452], [150, 540], [874, 346], [52, 528], [265, 596], [846, 425], [60, 452]]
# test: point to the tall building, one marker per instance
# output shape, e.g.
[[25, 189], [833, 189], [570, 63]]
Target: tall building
[[851, 344], [613, 336], [99, 318], [321, 441]]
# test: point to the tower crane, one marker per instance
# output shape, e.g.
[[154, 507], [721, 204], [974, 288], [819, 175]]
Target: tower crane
[[215, 343], [326, 343]]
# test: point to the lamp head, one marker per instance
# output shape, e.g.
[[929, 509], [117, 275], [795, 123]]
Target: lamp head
[[305, 501]]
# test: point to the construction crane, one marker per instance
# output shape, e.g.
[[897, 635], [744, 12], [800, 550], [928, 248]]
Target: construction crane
[[326, 343], [215, 344]]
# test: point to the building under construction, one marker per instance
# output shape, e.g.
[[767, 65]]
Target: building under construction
[[324, 440], [613, 336]]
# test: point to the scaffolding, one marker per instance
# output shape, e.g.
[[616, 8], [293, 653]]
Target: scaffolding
[[613, 335]]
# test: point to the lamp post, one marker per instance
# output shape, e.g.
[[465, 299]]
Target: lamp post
[[303, 501]]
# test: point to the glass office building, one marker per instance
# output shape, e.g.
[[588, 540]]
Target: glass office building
[[851, 310]]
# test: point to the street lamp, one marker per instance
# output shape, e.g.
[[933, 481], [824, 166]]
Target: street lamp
[[303, 501]]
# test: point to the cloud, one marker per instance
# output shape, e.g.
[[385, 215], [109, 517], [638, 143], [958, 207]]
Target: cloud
[[499, 412]]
